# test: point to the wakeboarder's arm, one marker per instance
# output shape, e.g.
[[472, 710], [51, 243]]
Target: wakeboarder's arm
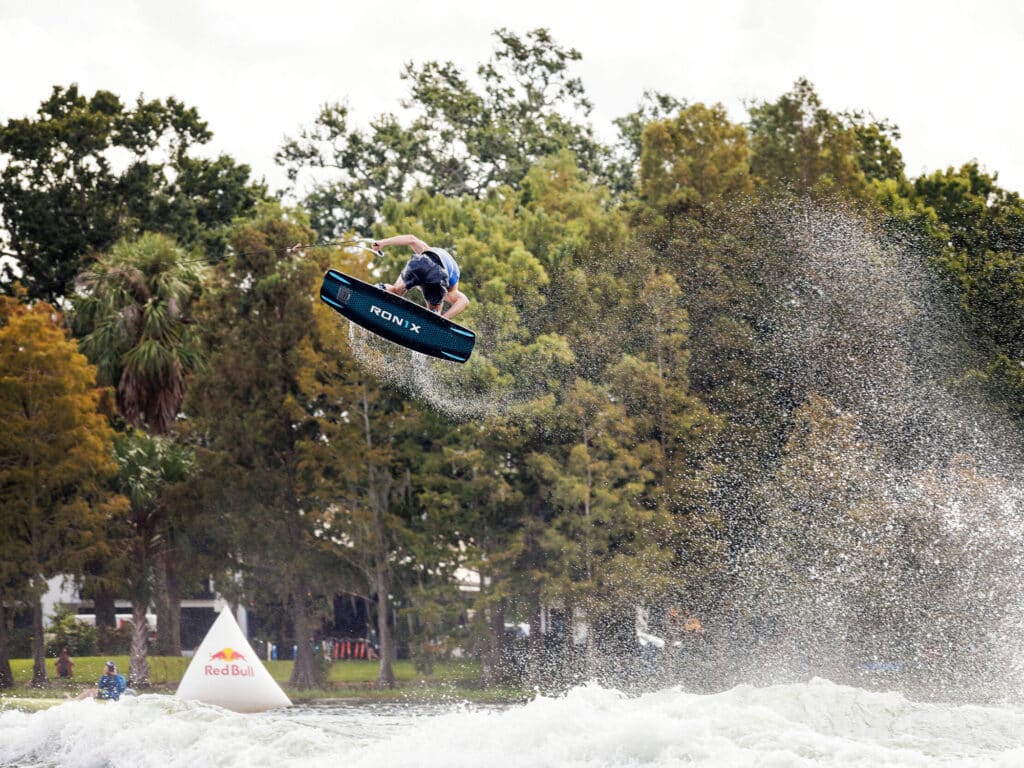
[[417, 245], [398, 287], [458, 300]]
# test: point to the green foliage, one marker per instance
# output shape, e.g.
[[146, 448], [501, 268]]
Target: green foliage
[[461, 141], [693, 160], [132, 314], [68, 632], [55, 452], [877, 154], [55, 456], [620, 172], [283, 414], [980, 216], [148, 467], [117, 641], [367, 169], [67, 159], [631, 429], [524, 113], [595, 491], [982, 228], [799, 144], [20, 643]]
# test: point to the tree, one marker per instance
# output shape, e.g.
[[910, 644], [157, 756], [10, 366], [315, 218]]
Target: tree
[[558, 225], [365, 520], [828, 523], [525, 113], [799, 144], [365, 170], [259, 428], [652, 382], [983, 225], [147, 467], [460, 140], [980, 227], [703, 256], [55, 455], [371, 451], [693, 160], [877, 155], [6, 674], [469, 476], [132, 314], [66, 161], [597, 519], [621, 171]]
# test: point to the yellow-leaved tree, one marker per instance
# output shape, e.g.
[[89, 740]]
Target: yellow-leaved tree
[[55, 460]]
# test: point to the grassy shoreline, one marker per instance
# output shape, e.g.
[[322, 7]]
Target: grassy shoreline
[[350, 680]]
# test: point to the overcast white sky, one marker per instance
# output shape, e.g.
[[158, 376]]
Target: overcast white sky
[[947, 73]]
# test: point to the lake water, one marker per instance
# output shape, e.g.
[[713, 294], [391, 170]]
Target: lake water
[[812, 724]]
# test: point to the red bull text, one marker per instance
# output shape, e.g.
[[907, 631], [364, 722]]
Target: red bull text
[[230, 666]]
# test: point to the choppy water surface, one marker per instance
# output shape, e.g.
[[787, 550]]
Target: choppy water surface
[[814, 724]]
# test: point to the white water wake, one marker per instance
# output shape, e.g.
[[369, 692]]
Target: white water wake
[[449, 388], [813, 724]]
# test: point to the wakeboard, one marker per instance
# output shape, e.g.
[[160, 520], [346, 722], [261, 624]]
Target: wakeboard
[[396, 319]]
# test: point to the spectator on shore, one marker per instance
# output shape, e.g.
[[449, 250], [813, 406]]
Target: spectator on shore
[[64, 664]]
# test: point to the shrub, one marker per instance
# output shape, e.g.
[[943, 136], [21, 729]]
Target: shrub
[[67, 631]]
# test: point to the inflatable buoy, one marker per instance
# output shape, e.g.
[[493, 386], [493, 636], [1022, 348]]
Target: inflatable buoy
[[227, 672]]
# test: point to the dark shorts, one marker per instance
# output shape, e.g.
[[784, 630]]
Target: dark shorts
[[431, 277]]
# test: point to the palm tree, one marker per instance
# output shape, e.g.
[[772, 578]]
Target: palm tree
[[131, 316], [147, 467]]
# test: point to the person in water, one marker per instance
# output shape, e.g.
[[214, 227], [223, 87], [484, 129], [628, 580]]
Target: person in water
[[111, 685], [434, 270]]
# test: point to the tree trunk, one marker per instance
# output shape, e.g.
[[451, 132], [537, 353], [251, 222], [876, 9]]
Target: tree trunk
[[380, 489], [491, 671], [591, 650], [304, 674], [571, 665], [38, 645], [138, 667], [103, 607], [161, 647], [6, 676], [386, 675], [168, 607], [106, 620], [173, 606], [537, 656]]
